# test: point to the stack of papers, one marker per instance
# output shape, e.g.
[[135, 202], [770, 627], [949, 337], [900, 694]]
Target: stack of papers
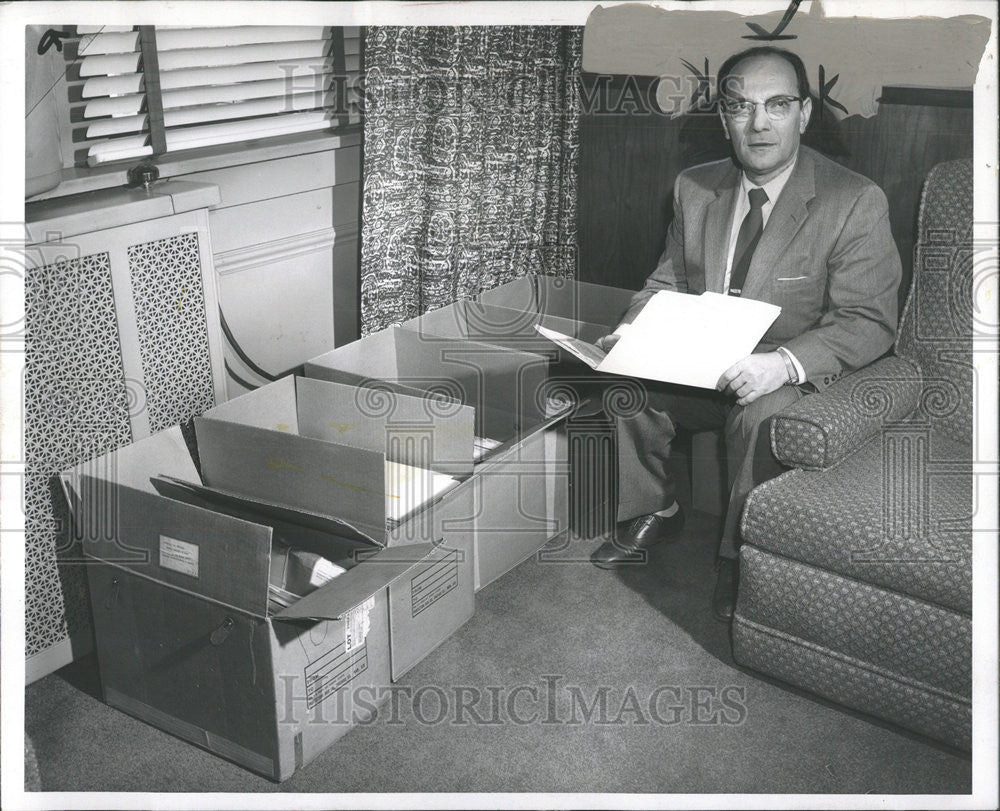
[[409, 488], [680, 338]]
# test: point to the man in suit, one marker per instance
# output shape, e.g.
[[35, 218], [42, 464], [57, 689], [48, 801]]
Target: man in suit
[[781, 224]]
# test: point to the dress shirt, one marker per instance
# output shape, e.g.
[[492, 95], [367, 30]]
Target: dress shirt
[[772, 188]]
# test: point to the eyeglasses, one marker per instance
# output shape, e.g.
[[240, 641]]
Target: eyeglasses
[[776, 107]]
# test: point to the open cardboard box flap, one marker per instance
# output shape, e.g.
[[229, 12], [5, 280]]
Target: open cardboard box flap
[[216, 556], [352, 588], [165, 453], [408, 429], [282, 512], [566, 298], [226, 559], [500, 384], [296, 471], [500, 325], [125, 523]]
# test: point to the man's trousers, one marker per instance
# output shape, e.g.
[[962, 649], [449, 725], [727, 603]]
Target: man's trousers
[[644, 483]]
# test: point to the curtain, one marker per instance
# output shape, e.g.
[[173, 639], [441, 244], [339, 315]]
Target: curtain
[[470, 161]]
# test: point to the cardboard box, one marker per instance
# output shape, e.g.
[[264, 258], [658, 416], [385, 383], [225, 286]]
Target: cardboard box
[[518, 505], [504, 387], [592, 304], [322, 447], [505, 327], [563, 298], [186, 638]]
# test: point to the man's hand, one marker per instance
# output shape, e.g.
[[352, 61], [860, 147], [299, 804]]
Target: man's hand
[[754, 376], [608, 341]]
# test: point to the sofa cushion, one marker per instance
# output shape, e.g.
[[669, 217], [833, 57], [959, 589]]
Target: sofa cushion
[[919, 542]]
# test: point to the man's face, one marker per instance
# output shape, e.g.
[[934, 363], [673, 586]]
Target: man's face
[[764, 146]]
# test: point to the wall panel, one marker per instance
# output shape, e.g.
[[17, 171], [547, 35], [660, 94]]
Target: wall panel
[[285, 250]]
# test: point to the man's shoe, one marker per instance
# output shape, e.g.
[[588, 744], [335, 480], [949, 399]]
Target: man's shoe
[[726, 586], [636, 535]]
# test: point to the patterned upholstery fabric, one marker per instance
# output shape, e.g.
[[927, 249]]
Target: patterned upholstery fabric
[[820, 430], [937, 322], [852, 683], [857, 572], [887, 630], [918, 542]]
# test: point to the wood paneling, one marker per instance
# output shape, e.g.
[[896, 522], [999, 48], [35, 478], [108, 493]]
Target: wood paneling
[[629, 158], [896, 149], [628, 163]]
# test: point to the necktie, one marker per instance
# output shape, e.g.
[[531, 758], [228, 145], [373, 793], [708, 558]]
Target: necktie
[[746, 241]]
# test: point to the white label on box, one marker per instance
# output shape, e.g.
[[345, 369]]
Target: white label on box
[[357, 624], [180, 556]]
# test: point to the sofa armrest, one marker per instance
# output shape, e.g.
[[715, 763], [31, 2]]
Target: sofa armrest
[[821, 429]]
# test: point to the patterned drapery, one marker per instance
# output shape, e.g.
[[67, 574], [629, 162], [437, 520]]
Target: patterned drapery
[[470, 163]]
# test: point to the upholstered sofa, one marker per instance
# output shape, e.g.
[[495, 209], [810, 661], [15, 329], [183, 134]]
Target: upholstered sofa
[[856, 575]]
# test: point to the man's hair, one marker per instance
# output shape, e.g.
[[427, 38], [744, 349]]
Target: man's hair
[[802, 78]]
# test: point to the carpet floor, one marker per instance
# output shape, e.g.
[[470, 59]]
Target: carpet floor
[[567, 679]]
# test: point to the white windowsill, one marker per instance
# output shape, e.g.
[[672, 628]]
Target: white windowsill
[[78, 181]]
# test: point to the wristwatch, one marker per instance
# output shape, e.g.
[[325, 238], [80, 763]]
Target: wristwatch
[[793, 375]]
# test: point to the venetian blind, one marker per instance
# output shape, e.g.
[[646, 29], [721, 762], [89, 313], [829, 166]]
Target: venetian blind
[[201, 87]]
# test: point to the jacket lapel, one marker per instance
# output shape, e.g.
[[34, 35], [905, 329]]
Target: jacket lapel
[[718, 220], [786, 218]]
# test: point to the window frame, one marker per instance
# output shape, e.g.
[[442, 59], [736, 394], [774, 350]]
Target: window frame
[[77, 179]]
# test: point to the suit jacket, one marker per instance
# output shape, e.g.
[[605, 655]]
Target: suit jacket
[[826, 257]]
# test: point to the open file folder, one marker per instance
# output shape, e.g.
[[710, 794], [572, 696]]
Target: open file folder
[[680, 338]]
